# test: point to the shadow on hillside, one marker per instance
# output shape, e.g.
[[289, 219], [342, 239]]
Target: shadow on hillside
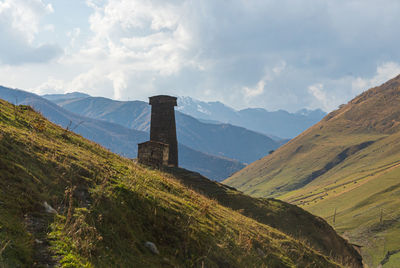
[[285, 217]]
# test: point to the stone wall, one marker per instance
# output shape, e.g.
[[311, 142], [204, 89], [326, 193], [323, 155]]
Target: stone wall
[[153, 153]]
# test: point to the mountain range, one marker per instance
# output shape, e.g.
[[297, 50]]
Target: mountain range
[[66, 201], [279, 124], [346, 169], [118, 138], [224, 140]]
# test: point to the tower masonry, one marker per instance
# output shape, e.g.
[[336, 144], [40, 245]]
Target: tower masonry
[[162, 149]]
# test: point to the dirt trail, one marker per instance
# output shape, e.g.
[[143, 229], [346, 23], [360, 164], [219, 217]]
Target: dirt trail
[[38, 225]]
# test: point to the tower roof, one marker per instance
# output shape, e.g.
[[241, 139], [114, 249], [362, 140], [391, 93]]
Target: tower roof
[[161, 99]]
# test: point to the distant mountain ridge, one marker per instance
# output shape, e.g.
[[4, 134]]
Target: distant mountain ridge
[[118, 138], [66, 96], [277, 123], [224, 140]]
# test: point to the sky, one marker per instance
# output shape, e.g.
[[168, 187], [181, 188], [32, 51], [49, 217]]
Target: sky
[[272, 54]]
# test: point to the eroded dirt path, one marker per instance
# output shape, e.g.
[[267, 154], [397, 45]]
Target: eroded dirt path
[[38, 225]]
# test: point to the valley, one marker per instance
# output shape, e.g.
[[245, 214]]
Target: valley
[[67, 200], [344, 169]]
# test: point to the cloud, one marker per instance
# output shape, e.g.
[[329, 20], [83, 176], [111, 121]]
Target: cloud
[[119, 83], [262, 53], [51, 86], [330, 93], [147, 36], [268, 76], [73, 35], [384, 72], [19, 24], [255, 91], [317, 90], [131, 44]]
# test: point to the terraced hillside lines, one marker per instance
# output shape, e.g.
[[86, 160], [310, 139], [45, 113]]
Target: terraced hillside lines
[[107, 208], [348, 163], [335, 191]]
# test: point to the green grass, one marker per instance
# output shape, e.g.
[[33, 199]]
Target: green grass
[[108, 207], [312, 172]]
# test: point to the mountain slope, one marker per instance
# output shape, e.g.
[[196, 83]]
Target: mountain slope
[[117, 138], [69, 202], [348, 163], [287, 218], [66, 96], [121, 140], [223, 140], [214, 167], [278, 123]]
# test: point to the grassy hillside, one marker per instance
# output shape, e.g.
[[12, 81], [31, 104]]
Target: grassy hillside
[[117, 138], [65, 200], [285, 217], [349, 162]]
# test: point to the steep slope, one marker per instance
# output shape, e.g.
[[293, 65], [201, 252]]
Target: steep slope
[[278, 123], [223, 140], [345, 169], [287, 218], [68, 202], [121, 140], [117, 138]]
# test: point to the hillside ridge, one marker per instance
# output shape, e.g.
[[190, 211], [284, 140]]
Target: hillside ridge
[[344, 169], [287, 218], [66, 200]]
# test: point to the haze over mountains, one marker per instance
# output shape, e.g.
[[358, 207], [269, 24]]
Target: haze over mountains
[[345, 169]]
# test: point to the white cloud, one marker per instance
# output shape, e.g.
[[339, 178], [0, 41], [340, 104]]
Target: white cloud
[[74, 35], [19, 24], [52, 85], [384, 72], [317, 90], [251, 92], [24, 16], [329, 94], [119, 83], [255, 91], [279, 68], [205, 49], [131, 41], [148, 35]]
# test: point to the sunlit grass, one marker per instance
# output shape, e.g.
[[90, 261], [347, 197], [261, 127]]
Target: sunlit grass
[[108, 207]]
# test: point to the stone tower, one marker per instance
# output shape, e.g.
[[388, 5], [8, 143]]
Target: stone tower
[[162, 126], [162, 149]]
